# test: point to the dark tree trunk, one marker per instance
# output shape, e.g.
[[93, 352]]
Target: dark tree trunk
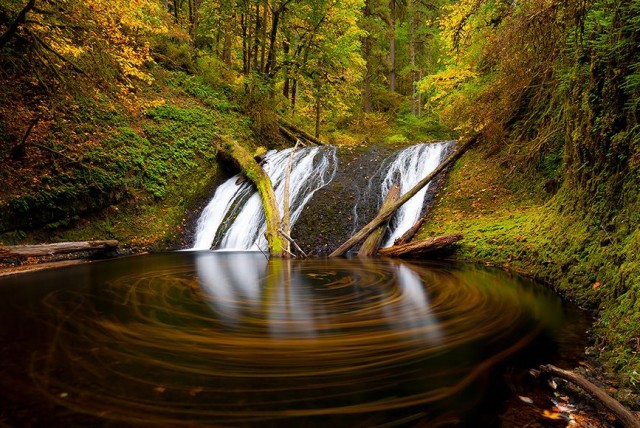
[[392, 45], [20, 19]]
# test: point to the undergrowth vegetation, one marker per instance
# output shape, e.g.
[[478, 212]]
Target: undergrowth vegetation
[[107, 172]]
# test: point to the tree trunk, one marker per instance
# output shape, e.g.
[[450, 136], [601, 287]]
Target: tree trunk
[[302, 134], [392, 45], [245, 55], [385, 214], [271, 56], [371, 245], [625, 416], [294, 95], [421, 248], [256, 39], [263, 35], [286, 215], [367, 57], [17, 251], [287, 80], [412, 49], [256, 174], [20, 19], [318, 105]]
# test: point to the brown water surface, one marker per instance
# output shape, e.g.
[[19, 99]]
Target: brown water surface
[[229, 339]]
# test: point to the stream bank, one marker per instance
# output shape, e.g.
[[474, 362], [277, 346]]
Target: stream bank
[[511, 221]]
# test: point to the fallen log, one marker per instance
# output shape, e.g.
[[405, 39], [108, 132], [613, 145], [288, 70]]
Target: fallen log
[[625, 416], [385, 214], [17, 251], [299, 132], [422, 247], [409, 234], [254, 172], [371, 245]]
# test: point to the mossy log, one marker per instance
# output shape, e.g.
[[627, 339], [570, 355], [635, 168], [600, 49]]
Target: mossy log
[[254, 172], [421, 248], [41, 250], [386, 213], [626, 417], [371, 245]]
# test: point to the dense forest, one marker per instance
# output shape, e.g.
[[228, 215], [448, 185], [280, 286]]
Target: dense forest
[[112, 112]]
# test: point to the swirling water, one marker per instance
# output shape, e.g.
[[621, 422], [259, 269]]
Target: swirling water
[[231, 339], [234, 219]]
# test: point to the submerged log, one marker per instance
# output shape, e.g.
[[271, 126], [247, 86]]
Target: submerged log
[[371, 245], [385, 214], [259, 177], [625, 416], [17, 251], [422, 247]]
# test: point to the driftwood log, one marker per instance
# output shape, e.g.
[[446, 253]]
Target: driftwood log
[[422, 247], [371, 245], [626, 417], [385, 214], [254, 172], [18, 251]]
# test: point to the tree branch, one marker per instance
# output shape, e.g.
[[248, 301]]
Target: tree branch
[[14, 26]]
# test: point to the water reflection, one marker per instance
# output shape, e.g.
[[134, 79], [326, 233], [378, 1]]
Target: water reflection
[[229, 339]]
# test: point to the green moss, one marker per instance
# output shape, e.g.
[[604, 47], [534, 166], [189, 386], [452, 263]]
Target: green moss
[[512, 223], [135, 176]]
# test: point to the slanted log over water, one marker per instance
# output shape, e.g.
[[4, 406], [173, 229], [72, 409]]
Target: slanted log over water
[[18, 251], [422, 247], [626, 417], [371, 245], [259, 177], [386, 214]]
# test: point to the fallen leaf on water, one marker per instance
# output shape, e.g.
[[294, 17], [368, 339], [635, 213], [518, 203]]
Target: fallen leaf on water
[[551, 415]]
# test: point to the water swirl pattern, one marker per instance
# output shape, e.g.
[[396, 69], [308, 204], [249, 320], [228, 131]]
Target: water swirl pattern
[[231, 339]]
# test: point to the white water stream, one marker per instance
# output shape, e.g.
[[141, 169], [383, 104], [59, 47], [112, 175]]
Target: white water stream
[[406, 167], [234, 220]]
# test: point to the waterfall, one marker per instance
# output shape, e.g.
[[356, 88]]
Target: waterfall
[[406, 167], [234, 219]]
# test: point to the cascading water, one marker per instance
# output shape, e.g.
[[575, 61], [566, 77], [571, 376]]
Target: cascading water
[[234, 219], [406, 167]]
